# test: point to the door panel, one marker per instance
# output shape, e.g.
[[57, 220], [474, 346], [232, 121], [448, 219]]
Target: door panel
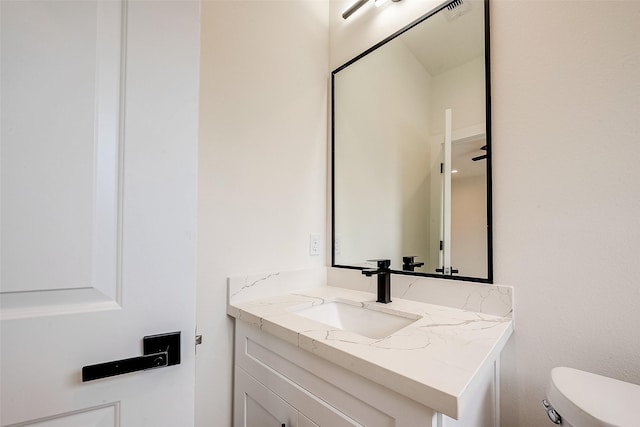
[[61, 90], [102, 416], [99, 162]]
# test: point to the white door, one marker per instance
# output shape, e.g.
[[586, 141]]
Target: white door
[[98, 172], [446, 196]]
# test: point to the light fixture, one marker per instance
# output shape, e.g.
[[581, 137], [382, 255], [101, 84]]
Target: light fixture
[[358, 4], [352, 9]]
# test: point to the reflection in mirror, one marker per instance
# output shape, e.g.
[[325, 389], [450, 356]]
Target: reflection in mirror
[[411, 149]]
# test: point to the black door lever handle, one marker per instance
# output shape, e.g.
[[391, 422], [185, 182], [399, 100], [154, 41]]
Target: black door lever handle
[[158, 351], [124, 366]]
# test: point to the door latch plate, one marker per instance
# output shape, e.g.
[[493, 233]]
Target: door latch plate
[[169, 342]]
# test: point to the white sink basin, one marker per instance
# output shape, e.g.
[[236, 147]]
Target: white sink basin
[[369, 323]]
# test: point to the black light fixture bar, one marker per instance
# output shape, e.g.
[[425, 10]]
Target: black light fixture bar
[[352, 9]]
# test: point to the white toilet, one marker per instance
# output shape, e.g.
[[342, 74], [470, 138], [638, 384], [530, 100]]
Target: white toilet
[[582, 399]]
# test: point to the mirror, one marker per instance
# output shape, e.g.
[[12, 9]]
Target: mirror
[[411, 149]]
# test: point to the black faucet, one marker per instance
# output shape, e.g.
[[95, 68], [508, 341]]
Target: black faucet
[[384, 279], [409, 263]]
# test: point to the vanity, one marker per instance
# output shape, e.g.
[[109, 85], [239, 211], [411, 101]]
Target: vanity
[[411, 188], [406, 364]]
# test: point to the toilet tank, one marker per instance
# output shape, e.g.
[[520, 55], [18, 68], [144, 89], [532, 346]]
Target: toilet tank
[[584, 399]]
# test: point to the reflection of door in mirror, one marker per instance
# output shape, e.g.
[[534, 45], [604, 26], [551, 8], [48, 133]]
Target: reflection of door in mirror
[[446, 197], [463, 207]]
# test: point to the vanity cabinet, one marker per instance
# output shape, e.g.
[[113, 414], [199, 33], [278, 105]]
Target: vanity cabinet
[[277, 383]]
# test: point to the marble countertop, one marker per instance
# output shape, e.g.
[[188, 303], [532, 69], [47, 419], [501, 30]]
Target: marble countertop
[[434, 360]]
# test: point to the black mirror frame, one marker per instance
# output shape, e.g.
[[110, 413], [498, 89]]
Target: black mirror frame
[[489, 158]]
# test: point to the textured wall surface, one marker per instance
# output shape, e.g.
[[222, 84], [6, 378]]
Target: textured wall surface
[[263, 161], [566, 102]]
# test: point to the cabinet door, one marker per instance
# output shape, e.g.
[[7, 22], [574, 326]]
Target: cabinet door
[[257, 406]]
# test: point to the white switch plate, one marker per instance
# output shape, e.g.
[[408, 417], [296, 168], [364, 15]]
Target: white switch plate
[[314, 244]]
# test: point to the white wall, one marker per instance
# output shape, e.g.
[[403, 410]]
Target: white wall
[[566, 103], [263, 161], [566, 99], [463, 90]]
